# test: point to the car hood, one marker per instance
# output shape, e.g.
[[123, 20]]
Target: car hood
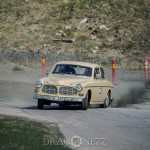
[[68, 80]]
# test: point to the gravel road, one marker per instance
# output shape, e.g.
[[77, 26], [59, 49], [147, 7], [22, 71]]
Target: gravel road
[[116, 128]]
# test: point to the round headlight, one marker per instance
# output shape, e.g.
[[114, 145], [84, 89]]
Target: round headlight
[[79, 87], [38, 84]]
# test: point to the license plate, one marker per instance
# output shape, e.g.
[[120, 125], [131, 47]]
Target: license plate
[[57, 98], [53, 98]]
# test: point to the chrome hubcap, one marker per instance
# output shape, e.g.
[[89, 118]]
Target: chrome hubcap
[[107, 101]]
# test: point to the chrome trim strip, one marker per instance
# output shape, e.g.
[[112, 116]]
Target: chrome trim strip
[[56, 98]]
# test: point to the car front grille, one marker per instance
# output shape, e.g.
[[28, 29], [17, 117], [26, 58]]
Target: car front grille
[[49, 89], [65, 90]]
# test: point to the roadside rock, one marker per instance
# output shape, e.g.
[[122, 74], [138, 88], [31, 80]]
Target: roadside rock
[[103, 27], [83, 23], [18, 69]]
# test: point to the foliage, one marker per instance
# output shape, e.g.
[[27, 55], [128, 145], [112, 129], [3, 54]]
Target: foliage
[[83, 42], [19, 133], [127, 23]]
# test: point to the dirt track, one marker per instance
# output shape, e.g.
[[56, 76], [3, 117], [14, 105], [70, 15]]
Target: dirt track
[[124, 128]]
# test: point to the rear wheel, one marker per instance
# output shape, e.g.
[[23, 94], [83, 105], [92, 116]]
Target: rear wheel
[[85, 102], [40, 104], [107, 101]]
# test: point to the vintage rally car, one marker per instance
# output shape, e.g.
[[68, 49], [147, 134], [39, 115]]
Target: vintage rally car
[[72, 82]]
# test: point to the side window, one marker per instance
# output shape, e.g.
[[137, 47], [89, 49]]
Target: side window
[[102, 73], [96, 72]]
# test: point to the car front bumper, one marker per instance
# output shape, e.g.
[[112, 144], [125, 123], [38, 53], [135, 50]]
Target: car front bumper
[[58, 99]]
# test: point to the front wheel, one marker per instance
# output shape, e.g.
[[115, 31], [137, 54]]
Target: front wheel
[[40, 104], [62, 105], [85, 102]]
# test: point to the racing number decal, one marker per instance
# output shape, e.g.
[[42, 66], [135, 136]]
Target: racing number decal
[[100, 90]]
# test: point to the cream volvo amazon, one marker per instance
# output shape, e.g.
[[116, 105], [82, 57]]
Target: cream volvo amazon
[[74, 83]]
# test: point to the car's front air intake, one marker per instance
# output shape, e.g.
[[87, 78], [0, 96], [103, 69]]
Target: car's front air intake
[[49, 89], [65, 90]]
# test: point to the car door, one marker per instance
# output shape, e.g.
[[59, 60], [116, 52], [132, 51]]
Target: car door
[[98, 89], [105, 85]]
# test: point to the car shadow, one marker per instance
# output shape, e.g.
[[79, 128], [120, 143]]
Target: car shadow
[[57, 107], [54, 107]]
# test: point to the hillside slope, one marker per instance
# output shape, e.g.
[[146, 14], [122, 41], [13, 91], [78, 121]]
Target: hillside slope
[[95, 29]]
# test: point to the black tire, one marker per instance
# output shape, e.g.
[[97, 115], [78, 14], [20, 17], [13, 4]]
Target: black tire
[[61, 105], [40, 104], [85, 102], [107, 101]]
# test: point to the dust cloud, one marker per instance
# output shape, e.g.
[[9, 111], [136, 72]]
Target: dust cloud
[[17, 88]]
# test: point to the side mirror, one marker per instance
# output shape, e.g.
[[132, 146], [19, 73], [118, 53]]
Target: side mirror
[[98, 76], [47, 72]]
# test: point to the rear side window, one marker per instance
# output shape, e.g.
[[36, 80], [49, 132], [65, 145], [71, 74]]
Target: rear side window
[[96, 72], [102, 73]]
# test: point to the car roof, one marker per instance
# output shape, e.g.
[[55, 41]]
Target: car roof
[[79, 63]]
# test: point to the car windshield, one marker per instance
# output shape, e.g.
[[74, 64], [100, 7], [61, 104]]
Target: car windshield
[[72, 70]]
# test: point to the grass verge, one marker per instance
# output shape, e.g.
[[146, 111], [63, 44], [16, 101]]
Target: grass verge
[[24, 134]]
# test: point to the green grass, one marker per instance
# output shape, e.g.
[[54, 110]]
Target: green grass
[[31, 23], [82, 42], [23, 134]]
